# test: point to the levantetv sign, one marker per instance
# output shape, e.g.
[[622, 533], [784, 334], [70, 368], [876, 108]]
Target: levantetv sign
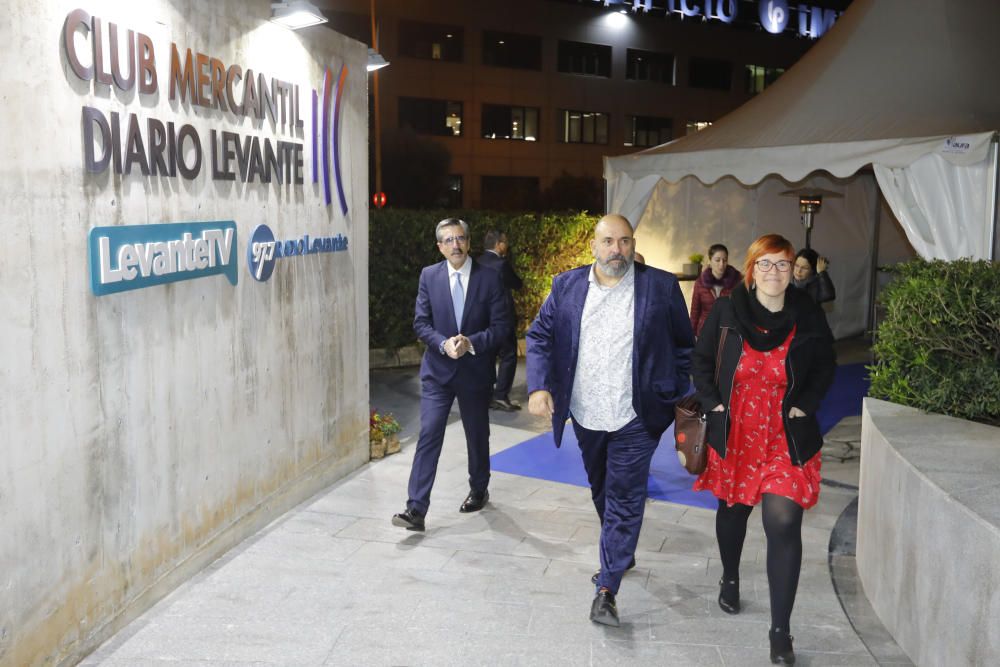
[[127, 257], [96, 52]]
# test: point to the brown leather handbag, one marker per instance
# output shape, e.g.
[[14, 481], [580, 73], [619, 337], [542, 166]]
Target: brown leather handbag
[[690, 426]]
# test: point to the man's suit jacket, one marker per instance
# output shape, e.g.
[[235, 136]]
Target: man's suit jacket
[[511, 281], [661, 348], [486, 320]]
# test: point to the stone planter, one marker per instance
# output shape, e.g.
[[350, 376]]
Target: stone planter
[[384, 446], [691, 269], [929, 532]]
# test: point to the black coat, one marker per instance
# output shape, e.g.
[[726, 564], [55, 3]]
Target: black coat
[[511, 281], [810, 367], [819, 287]]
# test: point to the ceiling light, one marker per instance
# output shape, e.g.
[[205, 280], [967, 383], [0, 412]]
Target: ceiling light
[[375, 60], [296, 14]]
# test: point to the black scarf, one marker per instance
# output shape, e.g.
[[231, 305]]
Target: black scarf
[[761, 328]]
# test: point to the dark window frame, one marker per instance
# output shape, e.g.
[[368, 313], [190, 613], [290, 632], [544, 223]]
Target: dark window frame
[[643, 126], [584, 58], [702, 71], [651, 66], [417, 39], [420, 111], [512, 50]]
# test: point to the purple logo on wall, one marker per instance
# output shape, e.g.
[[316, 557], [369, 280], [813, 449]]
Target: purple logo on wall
[[326, 133]]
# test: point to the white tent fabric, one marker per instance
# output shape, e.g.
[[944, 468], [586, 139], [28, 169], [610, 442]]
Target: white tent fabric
[[933, 189], [892, 82], [687, 217]]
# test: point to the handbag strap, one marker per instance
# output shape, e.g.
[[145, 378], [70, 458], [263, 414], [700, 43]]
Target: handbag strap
[[718, 354]]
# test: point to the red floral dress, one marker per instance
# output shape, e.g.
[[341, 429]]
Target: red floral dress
[[757, 460]]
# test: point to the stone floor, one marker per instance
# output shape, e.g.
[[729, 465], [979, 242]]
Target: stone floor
[[334, 583]]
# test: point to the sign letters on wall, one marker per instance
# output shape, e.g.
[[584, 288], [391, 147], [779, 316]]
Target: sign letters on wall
[[128, 145]]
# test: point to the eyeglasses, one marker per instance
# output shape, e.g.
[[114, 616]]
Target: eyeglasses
[[766, 265], [454, 239]]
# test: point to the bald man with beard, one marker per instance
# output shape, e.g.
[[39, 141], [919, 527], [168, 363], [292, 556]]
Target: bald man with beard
[[611, 350]]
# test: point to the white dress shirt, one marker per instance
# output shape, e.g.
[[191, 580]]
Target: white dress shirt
[[602, 387]]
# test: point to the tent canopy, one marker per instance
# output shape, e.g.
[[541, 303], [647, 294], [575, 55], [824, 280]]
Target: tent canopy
[[892, 81]]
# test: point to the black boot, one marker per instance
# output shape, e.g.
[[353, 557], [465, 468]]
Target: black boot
[[729, 596], [781, 647]]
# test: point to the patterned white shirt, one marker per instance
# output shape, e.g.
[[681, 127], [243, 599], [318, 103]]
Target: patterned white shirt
[[602, 386]]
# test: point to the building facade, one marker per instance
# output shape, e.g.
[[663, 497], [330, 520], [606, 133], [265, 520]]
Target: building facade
[[523, 92]]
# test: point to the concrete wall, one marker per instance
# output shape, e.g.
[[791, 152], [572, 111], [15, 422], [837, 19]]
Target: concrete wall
[[929, 532], [145, 432]]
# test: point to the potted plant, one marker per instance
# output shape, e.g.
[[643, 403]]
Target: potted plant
[[383, 434], [694, 268]]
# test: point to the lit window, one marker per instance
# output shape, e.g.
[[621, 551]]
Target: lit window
[[584, 127], [504, 122], [759, 77]]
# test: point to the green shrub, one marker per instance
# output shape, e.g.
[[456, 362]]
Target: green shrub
[[938, 346], [401, 243]]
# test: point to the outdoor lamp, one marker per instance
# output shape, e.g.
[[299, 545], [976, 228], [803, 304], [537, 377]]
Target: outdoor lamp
[[375, 60], [810, 202], [296, 14]]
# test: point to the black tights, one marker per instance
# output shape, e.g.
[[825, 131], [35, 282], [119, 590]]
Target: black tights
[[783, 528]]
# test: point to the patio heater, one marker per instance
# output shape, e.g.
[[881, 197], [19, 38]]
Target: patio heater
[[810, 202]]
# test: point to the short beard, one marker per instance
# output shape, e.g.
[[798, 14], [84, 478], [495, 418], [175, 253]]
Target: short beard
[[612, 270]]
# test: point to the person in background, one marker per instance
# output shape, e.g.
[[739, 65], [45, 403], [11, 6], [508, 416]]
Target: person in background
[[775, 366], [639, 258], [611, 349], [809, 274], [461, 316], [497, 258], [717, 280]]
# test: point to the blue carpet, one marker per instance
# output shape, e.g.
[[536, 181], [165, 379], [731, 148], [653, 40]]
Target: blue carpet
[[539, 457]]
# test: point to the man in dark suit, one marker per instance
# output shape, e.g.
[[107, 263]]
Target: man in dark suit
[[496, 258], [611, 349], [461, 315]]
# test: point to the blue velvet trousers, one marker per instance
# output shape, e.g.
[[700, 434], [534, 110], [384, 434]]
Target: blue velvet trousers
[[617, 465]]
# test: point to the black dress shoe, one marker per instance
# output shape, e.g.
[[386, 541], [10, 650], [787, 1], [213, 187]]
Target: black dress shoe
[[604, 610], [631, 564], [475, 501], [781, 647], [409, 519], [503, 404], [729, 596]]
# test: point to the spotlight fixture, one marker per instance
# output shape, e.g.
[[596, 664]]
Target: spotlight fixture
[[296, 14], [375, 60]]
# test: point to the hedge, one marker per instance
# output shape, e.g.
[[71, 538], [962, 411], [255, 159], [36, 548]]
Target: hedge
[[938, 346], [401, 243]]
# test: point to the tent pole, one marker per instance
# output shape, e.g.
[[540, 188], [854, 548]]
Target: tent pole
[[873, 273], [993, 199]]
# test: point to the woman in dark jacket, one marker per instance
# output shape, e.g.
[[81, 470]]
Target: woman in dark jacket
[[717, 280], [775, 365], [809, 274]]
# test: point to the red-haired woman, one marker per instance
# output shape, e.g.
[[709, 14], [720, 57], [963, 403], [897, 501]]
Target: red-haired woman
[[717, 280], [776, 365]]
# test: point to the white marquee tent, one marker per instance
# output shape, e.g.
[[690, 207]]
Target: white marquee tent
[[906, 90]]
